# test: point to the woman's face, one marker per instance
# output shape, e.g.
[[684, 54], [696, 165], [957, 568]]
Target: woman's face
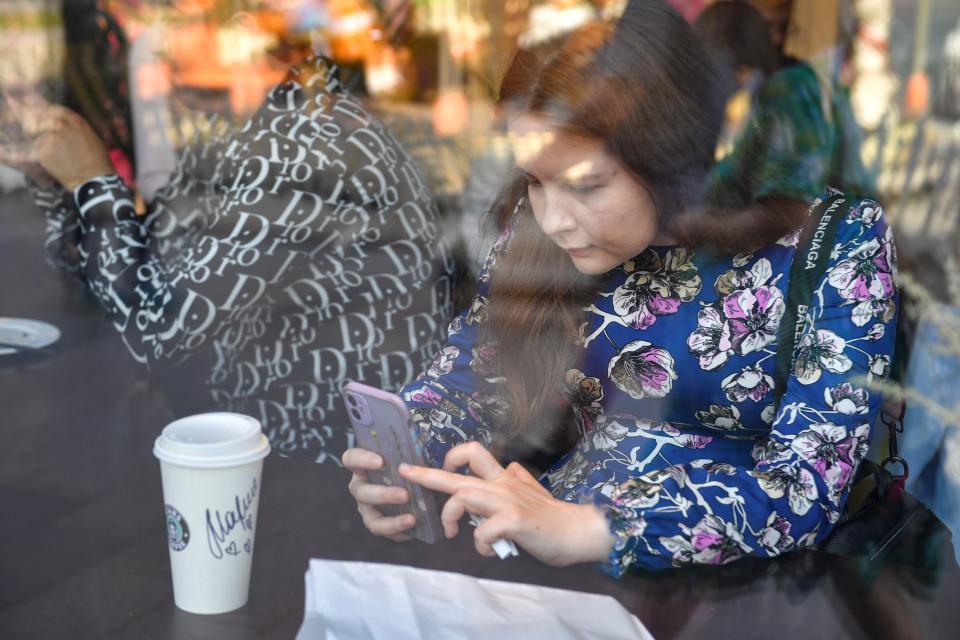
[[582, 197]]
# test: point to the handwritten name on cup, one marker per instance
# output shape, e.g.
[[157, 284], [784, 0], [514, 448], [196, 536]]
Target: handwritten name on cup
[[236, 522]]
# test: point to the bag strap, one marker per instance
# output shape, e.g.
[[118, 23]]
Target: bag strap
[[809, 265]]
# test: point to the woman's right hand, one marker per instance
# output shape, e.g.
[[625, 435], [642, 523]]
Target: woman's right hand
[[371, 496]]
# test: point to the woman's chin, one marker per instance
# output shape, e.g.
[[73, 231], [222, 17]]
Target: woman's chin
[[594, 265]]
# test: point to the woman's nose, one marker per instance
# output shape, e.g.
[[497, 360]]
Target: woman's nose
[[556, 218]]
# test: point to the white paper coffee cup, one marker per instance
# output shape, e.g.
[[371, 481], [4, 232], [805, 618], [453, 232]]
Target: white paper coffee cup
[[211, 465]]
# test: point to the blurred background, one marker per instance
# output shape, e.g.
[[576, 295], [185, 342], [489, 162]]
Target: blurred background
[[141, 71]]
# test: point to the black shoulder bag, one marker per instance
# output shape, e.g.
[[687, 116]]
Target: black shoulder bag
[[878, 511]]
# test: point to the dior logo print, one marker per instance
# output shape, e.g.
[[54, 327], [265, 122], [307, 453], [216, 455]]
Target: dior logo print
[[281, 259]]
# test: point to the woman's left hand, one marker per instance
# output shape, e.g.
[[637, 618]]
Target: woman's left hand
[[516, 506]]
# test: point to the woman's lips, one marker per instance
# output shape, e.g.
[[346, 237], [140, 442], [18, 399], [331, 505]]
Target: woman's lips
[[579, 252]]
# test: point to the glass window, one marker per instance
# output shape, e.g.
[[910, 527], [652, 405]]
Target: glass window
[[677, 281]]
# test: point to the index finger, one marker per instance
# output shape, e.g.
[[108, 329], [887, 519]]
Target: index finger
[[474, 455], [437, 479]]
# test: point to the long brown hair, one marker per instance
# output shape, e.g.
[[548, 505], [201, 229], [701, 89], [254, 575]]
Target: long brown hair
[[646, 87]]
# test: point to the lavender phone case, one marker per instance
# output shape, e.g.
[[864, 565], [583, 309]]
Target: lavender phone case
[[381, 423]]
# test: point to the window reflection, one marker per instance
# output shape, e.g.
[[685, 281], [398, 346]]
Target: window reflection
[[289, 195]]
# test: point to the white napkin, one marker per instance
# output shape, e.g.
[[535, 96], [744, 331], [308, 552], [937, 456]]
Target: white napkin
[[368, 601]]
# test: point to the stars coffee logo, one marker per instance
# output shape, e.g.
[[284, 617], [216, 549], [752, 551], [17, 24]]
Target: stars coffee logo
[[178, 533]]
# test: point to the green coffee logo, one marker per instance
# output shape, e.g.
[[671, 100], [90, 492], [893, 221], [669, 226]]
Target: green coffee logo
[[178, 533]]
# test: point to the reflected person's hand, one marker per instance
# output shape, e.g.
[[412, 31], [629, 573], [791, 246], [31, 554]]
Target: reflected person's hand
[[516, 507], [371, 496], [69, 149], [61, 142]]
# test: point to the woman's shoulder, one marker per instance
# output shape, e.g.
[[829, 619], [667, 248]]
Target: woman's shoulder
[[862, 221], [862, 262], [862, 218]]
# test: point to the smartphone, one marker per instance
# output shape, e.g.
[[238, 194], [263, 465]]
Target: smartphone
[[382, 424]]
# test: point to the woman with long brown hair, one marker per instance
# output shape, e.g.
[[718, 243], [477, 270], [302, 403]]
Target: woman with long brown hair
[[616, 298]]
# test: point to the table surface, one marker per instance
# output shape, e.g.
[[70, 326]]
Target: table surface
[[83, 550]]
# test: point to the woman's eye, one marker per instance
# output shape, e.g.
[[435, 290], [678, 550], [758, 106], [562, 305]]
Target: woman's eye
[[584, 188]]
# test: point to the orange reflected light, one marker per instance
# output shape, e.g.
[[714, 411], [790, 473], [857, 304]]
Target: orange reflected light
[[451, 113], [153, 79], [917, 97]]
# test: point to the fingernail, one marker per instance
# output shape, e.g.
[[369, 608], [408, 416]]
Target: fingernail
[[404, 467]]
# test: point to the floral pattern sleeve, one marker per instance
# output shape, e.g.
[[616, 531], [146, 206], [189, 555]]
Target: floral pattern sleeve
[[455, 400], [711, 511]]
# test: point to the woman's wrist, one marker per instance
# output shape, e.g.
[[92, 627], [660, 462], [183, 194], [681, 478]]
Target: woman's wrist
[[592, 541]]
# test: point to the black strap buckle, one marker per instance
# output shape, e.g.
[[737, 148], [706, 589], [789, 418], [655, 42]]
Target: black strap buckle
[[894, 459], [891, 414]]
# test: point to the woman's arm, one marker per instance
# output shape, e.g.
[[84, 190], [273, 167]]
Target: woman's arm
[[450, 405], [62, 239], [711, 512], [63, 150], [456, 399], [95, 230]]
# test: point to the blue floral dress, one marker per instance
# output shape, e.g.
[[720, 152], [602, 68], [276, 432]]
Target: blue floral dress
[[680, 442]]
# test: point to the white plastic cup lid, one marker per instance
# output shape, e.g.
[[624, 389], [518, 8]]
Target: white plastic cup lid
[[212, 440]]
